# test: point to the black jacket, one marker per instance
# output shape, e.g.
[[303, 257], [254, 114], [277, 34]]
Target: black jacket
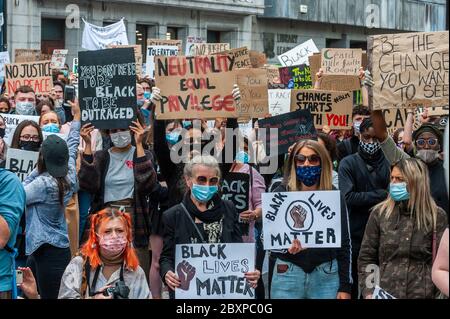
[[178, 229], [363, 186], [347, 147], [437, 185], [309, 259]]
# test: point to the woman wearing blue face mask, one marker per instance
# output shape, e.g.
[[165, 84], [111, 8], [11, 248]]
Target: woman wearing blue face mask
[[402, 236], [312, 273], [202, 217]]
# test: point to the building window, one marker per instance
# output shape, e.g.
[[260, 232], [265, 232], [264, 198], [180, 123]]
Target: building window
[[52, 35], [141, 38], [213, 36], [172, 33], [358, 45]]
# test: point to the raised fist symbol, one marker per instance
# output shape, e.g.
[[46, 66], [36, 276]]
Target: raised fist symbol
[[298, 215], [186, 273]]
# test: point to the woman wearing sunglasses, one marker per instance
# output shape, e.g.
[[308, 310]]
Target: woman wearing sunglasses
[[201, 217], [312, 273]]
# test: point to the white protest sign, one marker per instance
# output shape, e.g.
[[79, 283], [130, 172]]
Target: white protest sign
[[158, 50], [98, 38], [314, 218], [190, 44], [11, 122], [4, 59], [299, 55], [380, 293], [214, 271], [279, 101], [58, 59], [21, 162], [47, 134]]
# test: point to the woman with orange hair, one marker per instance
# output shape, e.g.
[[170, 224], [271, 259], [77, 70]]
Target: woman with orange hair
[[108, 267]]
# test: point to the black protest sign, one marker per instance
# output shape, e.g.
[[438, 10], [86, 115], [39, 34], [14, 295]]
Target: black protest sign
[[107, 87], [236, 188], [296, 77], [288, 129]]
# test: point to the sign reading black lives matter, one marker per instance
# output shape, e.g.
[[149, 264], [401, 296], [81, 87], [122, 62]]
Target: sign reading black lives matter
[[288, 129], [107, 87], [214, 271], [314, 218], [236, 188]]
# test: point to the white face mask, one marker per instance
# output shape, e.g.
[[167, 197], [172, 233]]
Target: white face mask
[[121, 139], [25, 108]]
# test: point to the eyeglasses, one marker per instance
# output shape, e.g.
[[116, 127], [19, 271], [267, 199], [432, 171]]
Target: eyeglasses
[[431, 142], [202, 180], [313, 159], [27, 138]]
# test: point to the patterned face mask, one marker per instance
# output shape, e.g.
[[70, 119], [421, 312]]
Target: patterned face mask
[[309, 175], [369, 148]]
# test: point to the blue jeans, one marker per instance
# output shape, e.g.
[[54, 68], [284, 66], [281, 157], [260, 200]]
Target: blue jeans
[[289, 281]]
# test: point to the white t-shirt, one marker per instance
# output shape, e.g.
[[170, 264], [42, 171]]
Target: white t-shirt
[[119, 181]]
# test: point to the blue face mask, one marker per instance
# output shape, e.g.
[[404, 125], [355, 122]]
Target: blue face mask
[[204, 193], [187, 124], [242, 157], [398, 192], [309, 175], [51, 128], [173, 137], [147, 95]]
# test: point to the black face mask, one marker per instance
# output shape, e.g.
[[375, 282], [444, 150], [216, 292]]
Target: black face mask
[[2, 132], [30, 146]]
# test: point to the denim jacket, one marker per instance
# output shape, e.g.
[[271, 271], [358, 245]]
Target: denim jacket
[[45, 219]]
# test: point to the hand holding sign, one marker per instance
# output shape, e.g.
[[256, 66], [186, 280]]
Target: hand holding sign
[[252, 278], [172, 280], [296, 247], [186, 273]]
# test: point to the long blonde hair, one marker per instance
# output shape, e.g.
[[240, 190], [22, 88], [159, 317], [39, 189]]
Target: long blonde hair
[[421, 204], [326, 176]]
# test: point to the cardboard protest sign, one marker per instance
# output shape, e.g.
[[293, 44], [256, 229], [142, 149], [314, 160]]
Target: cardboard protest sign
[[279, 101], [107, 87], [37, 75], [241, 57], [437, 111], [236, 188], [330, 108], [296, 77], [341, 61], [288, 129], [254, 101], [273, 77], [163, 42], [314, 218], [408, 67], [158, 50], [395, 119], [214, 271], [190, 41], [298, 55], [137, 55], [195, 87], [58, 60], [12, 121], [20, 162], [4, 59], [258, 59], [210, 48], [26, 55], [380, 293]]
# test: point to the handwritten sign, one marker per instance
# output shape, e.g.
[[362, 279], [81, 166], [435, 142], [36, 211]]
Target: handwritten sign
[[178, 43], [241, 57], [341, 61], [289, 129], [236, 188], [273, 77], [254, 101], [195, 87], [279, 101], [158, 50], [37, 75], [395, 119], [26, 55], [258, 59], [312, 217], [58, 60], [298, 55], [210, 48], [4, 59], [190, 41], [408, 67], [107, 87], [296, 77], [21, 162], [214, 271], [137, 55], [330, 108], [12, 121]]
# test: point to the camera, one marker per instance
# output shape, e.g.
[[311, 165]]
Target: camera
[[119, 291]]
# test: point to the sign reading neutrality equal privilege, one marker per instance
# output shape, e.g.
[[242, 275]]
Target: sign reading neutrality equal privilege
[[107, 87], [408, 67]]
